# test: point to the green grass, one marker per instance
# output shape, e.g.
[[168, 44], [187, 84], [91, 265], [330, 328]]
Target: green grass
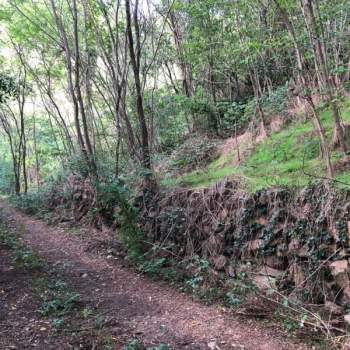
[[284, 159], [201, 178]]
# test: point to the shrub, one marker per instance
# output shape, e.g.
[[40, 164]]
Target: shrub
[[57, 300], [231, 116], [273, 103], [6, 177], [204, 114], [58, 304], [195, 152], [276, 102], [115, 196], [171, 117], [32, 203]]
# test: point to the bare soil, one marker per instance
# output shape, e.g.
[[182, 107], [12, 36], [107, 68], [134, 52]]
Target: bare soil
[[132, 305]]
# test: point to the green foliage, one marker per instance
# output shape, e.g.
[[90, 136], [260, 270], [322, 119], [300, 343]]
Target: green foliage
[[188, 84], [78, 166], [7, 237], [131, 234], [200, 268], [232, 299], [134, 345], [27, 258], [276, 102], [153, 267], [60, 305], [279, 160], [195, 152], [292, 320], [32, 203], [87, 312], [171, 117], [203, 178], [231, 117], [138, 345], [239, 288], [8, 87], [109, 195], [204, 113], [176, 114], [6, 176], [57, 299], [273, 103]]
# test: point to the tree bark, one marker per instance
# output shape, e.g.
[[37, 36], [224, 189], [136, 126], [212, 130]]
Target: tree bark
[[135, 51], [321, 65]]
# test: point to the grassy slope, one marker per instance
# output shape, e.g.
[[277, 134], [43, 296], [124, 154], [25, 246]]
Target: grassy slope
[[278, 161]]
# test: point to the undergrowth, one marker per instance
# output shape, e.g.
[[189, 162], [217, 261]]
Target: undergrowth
[[129, 231], [32, 203], [136, 344], [57, 300]]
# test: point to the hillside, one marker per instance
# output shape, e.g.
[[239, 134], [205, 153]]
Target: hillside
[[288, 157]]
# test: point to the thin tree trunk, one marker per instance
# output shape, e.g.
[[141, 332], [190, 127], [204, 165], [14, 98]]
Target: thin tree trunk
[[68, 61], [37, 164], [321, 65], [135, 62], [184, 66], [77, 88], [323, 138]]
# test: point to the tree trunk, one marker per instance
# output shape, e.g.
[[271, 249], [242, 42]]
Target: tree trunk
[[321, 65], [37, 164], [185, 68], [135, 62], [323, 138], [77, 88], [68, 61]]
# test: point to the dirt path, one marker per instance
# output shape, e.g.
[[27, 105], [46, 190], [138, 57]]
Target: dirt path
[[140, 307]]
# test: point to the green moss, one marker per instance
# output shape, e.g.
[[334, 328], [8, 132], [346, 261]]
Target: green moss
[[207, 178], [290, 157]]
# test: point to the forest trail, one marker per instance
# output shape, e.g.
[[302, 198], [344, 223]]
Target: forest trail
[[138, 306]]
